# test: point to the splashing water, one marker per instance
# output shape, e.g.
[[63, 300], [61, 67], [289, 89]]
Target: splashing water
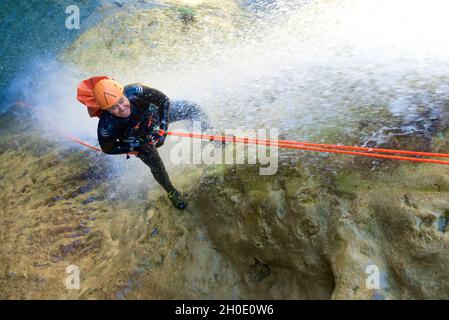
[[306, 67], [324, 65]]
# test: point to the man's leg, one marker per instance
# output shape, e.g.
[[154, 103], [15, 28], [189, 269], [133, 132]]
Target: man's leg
[[149, 155], [183, 110]]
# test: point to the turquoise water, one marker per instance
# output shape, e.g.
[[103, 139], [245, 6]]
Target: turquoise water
[[31, 30]]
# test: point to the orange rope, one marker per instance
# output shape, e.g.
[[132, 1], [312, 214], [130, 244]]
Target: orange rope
[[317, 147], [311, 147], [75, 139], [298, 143], [295, 145]]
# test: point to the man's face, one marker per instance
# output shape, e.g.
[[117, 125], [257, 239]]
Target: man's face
[[122, 108]]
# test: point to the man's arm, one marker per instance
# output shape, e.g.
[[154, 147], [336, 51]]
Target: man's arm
[[161, 101], [109, 137]]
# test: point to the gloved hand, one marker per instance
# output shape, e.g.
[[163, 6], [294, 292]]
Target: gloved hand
[[158, 137], [135, 142]]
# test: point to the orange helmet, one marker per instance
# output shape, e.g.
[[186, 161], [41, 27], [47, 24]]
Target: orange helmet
[[99, 93]]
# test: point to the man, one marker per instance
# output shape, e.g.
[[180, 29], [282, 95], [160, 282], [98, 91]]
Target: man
[[135, 118]]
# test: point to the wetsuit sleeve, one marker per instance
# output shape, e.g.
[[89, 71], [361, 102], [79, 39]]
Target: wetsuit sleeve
[[161, 101], [110, 137]]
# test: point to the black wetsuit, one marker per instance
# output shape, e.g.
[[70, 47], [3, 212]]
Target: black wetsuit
[[149, 107]]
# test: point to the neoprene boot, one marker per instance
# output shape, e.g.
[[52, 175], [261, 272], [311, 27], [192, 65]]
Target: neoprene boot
[[177, 199]]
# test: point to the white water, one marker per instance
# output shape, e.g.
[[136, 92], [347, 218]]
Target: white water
[[322, 66], [306, 67], [299, 67]]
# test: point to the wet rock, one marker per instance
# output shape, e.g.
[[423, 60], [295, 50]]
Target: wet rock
[[82, 190], [69, 248], [255, 232], [294, 235], [91, 199], [52, 200], [258, 271]]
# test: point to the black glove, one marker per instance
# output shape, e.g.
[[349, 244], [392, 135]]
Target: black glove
[[158, 137]]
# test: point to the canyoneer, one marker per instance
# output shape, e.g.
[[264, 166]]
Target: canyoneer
[[135, 118]]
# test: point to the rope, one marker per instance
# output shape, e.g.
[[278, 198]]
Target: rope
[[305, 146], [317, 147], [329, 148]]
